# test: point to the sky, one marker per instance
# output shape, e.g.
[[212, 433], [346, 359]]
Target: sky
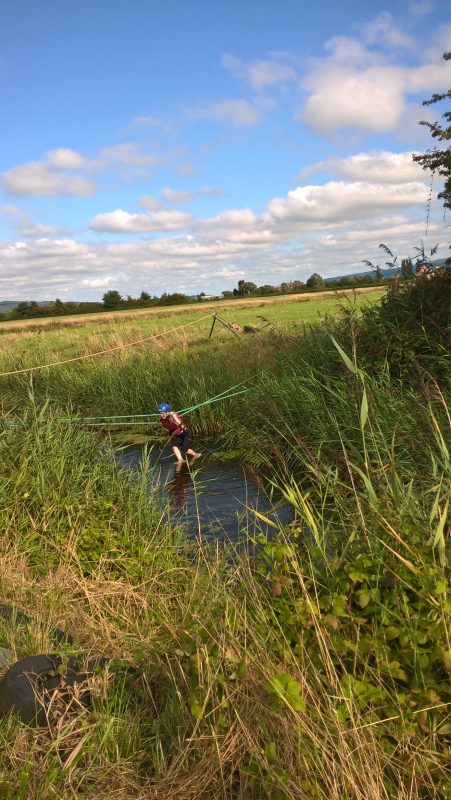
[[184, 146]]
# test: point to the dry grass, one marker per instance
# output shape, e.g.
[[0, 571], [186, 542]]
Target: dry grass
[[238, 744]]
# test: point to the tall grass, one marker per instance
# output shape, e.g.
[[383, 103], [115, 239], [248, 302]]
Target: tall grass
[[317, 669]]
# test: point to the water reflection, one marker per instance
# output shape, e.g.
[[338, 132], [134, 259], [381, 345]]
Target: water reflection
[[178, 487], [214, 498]]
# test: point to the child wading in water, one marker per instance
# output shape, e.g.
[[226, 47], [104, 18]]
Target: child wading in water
[[180, 434]]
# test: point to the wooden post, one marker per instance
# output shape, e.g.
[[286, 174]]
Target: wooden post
[[213, 325]]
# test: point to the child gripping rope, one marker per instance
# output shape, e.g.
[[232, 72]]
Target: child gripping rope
[[180, 434]]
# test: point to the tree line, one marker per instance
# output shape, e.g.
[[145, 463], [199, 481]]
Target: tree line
[[112, 300]]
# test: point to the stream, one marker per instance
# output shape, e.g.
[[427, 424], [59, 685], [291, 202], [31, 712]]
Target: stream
[[214, 498]]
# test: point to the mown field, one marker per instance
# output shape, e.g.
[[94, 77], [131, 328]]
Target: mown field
[[318, 668]]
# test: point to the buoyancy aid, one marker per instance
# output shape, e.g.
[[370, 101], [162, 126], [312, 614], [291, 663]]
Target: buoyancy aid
[[174, 424]]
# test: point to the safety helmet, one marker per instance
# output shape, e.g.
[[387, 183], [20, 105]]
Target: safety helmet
[[424, 261], [163, 408]]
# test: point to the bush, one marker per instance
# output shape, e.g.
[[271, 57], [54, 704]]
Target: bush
[[410, 328]]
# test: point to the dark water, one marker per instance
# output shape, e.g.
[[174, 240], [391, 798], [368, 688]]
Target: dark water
[[214, 498]]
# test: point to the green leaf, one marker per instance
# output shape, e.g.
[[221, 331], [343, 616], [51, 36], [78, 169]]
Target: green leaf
[[345, 358], [270, 752], [445, 729], [287, 690], [363, 598], [342, 713], [363, 410], [196, 710]]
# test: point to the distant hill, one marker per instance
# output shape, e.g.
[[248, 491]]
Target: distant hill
[[386, 273], [8, 305]]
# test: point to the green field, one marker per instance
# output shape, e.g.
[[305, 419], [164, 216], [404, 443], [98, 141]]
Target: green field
[[31, 342]]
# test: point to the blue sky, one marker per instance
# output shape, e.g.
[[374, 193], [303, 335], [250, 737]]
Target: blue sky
[[184, 146]]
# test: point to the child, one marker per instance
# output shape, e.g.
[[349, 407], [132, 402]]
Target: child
[[180, 435]]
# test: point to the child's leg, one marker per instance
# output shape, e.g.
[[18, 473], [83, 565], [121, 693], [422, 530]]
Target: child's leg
[[177, 453]]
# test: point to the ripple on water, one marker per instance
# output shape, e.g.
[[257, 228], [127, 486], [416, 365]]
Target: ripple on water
[[217, 496]]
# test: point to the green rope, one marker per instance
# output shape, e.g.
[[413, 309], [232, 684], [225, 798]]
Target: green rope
[[131, 419], [184, 411]]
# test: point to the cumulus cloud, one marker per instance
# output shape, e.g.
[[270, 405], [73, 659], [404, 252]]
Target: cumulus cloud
[[55, 176], [354, 87], [98, 283], [238, 112], [380, 167], [65, 268], [38, 180], [120, 221], [261, 72], [340, 201]]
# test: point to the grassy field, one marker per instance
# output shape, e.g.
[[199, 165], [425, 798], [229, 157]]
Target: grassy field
[[317, 669], [31, 342]]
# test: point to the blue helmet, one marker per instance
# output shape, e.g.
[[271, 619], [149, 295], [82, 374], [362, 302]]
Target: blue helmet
[[163, 408]]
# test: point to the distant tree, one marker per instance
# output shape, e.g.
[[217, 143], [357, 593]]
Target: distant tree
[[266, 289], [439, 160], [227, 295], [200, 296], [112, 300], [174, 299], [22, 310], [58, 307], [245, 288], [315, 282], [145, 297]]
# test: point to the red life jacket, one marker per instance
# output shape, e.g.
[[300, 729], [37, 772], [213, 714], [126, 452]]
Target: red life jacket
[[174, 424]]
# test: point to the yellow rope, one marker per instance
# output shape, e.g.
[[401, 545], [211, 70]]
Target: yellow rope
[[103, 352]]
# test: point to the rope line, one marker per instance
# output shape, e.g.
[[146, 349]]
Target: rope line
[[102, 352]]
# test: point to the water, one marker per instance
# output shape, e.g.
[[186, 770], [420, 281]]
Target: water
[[215, 499]]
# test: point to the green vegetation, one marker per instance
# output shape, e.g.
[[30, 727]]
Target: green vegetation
[[318, 668]]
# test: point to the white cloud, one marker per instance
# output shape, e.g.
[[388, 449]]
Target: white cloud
[[65, 158], [23, 226], [383, 30], [380, 167], [421, 8], [36, 179], [98, 283], [182, 196], [151, 203], [259, 73], [177, 196], [238, 112], [150, 121], [120, 221], [66, 268], [339, 201], [354, 87], [55, 177], [128, 153]]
